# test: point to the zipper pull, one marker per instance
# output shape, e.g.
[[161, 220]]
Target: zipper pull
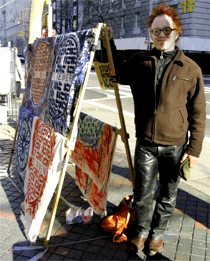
[[161, 56]]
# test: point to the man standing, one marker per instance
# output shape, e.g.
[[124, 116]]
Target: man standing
[[169, 102]]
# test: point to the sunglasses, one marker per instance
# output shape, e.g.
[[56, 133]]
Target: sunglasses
[[166, 31]]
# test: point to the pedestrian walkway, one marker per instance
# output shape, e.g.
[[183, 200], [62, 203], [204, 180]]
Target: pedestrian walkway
[[187, 237], [206, 78]]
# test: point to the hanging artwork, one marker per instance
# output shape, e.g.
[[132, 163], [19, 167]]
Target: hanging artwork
[[45, 163], [93, 153], [94, 148], [96, 198], [23, 141], [72, 56], [36, 92]]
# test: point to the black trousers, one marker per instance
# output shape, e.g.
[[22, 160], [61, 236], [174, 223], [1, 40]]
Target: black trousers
[[149, 161]]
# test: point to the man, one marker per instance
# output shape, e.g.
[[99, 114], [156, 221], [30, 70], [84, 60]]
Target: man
[[169, 101]]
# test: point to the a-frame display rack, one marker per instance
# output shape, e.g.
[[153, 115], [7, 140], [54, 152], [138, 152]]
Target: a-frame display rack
[[103, 31]]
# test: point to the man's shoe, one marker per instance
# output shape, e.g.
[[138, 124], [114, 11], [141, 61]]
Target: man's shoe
[[137, 244], [155, 246]]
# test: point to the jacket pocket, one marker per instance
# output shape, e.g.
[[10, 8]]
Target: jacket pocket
[[175, 77], [177, 121], [172, 126], [182, 116]]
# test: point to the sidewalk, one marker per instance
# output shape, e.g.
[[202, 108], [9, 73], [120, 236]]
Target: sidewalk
[[187, 237]]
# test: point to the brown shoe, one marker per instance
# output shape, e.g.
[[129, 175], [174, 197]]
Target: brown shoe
[[137, 244], [155, 246]]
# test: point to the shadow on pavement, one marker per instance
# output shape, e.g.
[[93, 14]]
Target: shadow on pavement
[[192, 206], [10, 207], [84, 241], [86, 246]]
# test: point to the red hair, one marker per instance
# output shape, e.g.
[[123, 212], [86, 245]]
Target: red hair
[[163, 10]]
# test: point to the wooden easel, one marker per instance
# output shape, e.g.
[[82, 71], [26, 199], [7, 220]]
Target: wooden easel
[[101, 28], [123, 133]]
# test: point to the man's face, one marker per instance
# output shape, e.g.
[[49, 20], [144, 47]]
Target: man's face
[[163, 42]]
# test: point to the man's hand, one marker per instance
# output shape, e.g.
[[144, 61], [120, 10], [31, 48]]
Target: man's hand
[[193, 160], [110, 33]]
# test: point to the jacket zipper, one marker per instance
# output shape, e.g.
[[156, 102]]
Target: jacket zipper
[[155, 92], [181, 78], [155, 110]]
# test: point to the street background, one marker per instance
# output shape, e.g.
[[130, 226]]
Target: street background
[[188, 233]]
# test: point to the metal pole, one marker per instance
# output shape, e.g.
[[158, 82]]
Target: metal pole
[[150, 11], [50, 11]]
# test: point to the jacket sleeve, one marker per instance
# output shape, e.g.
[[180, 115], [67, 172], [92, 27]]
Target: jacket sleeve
[[196, 107], [123, 69]]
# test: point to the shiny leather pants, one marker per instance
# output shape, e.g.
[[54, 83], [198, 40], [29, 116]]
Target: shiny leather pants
[[149, 161]]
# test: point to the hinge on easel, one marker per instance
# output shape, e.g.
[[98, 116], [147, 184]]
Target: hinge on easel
[[121, 133]]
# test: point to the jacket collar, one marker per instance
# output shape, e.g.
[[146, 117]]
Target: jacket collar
[[179, 57]]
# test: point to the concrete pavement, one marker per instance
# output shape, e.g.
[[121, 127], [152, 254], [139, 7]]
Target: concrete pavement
[[187, 237]]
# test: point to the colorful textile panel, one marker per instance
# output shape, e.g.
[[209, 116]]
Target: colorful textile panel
[[94, 147], [23, 141], [36, 92], [72, 56], [96, 198], [93, 153], [45, 163]]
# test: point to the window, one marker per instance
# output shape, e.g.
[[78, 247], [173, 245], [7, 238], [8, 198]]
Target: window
[[138, 3], [74, 10], [100, 5], [90, 10], [137, 20], [123, 18], [175, 7], [110, 22], [54, 17]]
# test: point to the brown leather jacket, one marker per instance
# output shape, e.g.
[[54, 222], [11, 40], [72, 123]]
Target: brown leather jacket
[[181, 106]]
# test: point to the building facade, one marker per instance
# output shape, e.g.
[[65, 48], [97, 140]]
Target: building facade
[[14, 22], [128, 20], [126, 17]]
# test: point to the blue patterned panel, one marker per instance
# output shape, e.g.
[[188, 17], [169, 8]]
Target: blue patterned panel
[[89, 130], [41, 62], [23, 141], [72, 56]]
